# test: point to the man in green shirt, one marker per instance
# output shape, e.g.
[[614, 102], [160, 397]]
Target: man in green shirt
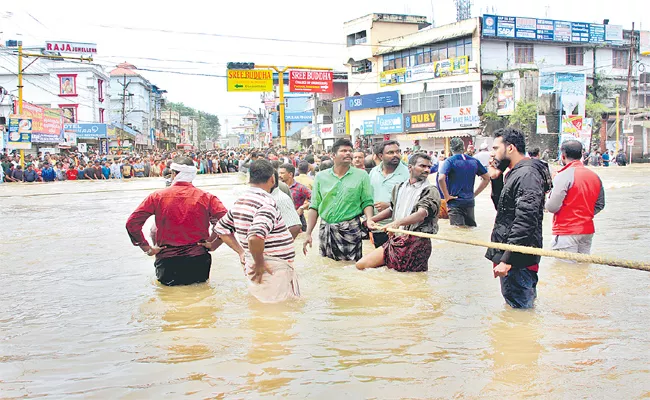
[[383, 178], [340, 195]]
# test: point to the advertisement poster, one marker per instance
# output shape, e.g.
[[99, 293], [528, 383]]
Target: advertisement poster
[[19, 133], [449, 67], [311, 81], [67, 85], [583, 135], [389, 123], [542, 125], [506, 101], [47, 123], [569, 91], [368, 128]]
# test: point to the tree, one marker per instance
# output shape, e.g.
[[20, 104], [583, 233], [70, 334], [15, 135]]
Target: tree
[[595, 110], [525, 117], [209, 125]]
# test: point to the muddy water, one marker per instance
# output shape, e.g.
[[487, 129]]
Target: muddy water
[[81, 315]]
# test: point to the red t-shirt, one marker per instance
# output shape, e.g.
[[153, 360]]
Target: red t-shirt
[[71, 174]]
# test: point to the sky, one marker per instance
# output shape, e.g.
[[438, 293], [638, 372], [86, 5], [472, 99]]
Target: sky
[[131, 31]]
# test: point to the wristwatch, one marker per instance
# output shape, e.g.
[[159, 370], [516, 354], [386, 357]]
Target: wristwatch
[[149, 252]]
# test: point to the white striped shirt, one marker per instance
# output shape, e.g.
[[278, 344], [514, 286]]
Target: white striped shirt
[[256, 214], [286, 207]]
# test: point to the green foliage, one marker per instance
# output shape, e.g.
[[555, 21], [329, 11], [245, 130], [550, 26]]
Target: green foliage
[[209, 125], [525, 116], [602, 89]]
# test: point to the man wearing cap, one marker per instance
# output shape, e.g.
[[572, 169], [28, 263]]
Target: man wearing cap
[[483, 156], [183, 216], [456, 180]]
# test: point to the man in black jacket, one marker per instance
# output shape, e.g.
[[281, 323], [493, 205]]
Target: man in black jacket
[[520, 211]]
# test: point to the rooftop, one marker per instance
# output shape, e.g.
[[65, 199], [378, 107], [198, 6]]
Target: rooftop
[[125, 69], [398, 18]]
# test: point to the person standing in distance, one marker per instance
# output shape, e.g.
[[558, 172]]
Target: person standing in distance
[[520, 212], [577, 196], [456, 181], [340, 196]]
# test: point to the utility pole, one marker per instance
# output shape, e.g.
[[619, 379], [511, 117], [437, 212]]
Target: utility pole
[[629, 81], [124, 86]]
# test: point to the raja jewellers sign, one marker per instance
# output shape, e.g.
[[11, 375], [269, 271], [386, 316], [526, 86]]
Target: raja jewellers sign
[[71, 47]]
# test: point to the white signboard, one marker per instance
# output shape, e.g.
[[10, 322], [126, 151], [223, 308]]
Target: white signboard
[[327, 131], [459, 118], [71, 47], [83, 147], [614, 33]]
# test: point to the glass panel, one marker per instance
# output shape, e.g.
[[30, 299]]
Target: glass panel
[[398, 63], [412, 60], [455, 100], [435, 103], [451, 52], [427, 58], [420, 59], [455, 90], [466, 99]]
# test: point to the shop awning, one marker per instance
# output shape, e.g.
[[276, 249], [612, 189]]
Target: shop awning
[[438, 135]]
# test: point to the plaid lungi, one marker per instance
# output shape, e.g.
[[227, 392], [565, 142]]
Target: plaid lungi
[[341, 241]]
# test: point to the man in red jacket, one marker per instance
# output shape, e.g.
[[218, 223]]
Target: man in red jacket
[[577, 196], [183, 216]]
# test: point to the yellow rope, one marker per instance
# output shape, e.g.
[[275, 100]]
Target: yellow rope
[[586, 258]]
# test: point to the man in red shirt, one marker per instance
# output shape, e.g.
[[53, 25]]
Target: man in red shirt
[[71, 173], [577, 196], [183, 216]]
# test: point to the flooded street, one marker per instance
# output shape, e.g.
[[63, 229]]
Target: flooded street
[[83, 317]]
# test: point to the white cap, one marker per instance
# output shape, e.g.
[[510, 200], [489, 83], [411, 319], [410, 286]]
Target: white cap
[[484, 146]]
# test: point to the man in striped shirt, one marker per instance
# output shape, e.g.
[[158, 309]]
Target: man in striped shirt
[[262, 237]]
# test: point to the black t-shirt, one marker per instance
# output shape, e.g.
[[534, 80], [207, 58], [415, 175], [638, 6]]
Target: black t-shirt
[[89, 173], [224, 166]]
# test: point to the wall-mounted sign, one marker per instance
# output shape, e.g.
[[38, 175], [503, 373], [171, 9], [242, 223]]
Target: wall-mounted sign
[[298, 116], [19, 133], [311, 81], [459, 118], [549, 30], [87, 131], [375, 100], [71, 47], [338, 117], [389, 123], [424, 121], [438, 69], [368, 127]]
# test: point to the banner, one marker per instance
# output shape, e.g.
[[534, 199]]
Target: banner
[[368, 128], [45, 121], [437, 69], [561, 105], [87, 131], [583, 135], [20, 133], [506, 101], [375, 100]]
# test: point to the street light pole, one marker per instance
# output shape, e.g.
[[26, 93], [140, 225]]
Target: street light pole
[[617, 122]]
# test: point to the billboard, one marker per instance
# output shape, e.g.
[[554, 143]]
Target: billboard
[[46, 122], [311, 81], [87, 131], [644, 43], [437, 69], [561, 105], [549, 30], [298, 116], [389, 123], [19, 132], [424, 121], [506, 101], [375, 100], [71, 47]]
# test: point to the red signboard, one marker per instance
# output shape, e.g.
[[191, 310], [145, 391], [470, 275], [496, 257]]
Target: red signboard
[[311, 82], [45, 121]]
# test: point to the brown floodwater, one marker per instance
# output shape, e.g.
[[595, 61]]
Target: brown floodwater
[[83, 317]]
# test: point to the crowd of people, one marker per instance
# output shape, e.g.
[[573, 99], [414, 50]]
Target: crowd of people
[[358, 195]]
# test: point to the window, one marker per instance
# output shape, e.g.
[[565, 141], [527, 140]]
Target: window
[[69, 113], [620, 59], [428, 54], [362, 67], [524, 54], [574, 56], [437, 99], [357, 38], [67, 85], [101, 115], [100, 90]]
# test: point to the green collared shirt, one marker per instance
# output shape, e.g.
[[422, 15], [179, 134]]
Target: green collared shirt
[[341, 199], [383, 185]]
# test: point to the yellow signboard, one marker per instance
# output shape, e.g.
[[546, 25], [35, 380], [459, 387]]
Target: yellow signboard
[[250, 80], [436, 69]]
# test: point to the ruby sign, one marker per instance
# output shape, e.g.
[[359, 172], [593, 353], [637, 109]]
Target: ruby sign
[[311, 82]]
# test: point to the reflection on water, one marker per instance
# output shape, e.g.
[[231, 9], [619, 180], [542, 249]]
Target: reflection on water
[[83, 316]]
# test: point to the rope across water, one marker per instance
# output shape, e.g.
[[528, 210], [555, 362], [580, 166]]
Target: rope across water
[[586, 258]]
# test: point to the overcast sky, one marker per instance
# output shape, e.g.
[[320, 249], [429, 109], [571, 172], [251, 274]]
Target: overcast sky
[[35, 21]]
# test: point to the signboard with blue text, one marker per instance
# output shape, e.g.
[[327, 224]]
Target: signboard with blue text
[[298, 116], [87, 131], [389, 123], [375, 100], [549, 30]]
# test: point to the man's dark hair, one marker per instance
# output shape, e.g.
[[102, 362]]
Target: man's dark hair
[[341, 143], [417, 156], [303, 167], [290, 169], [572, 150], [183, 160], [326, 165], [310, 158], [253, 155], [369, 163], [457, 145], [260, 171], [276, 164], [511, 136], [534, 152], [277, 179], [379, 147]]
